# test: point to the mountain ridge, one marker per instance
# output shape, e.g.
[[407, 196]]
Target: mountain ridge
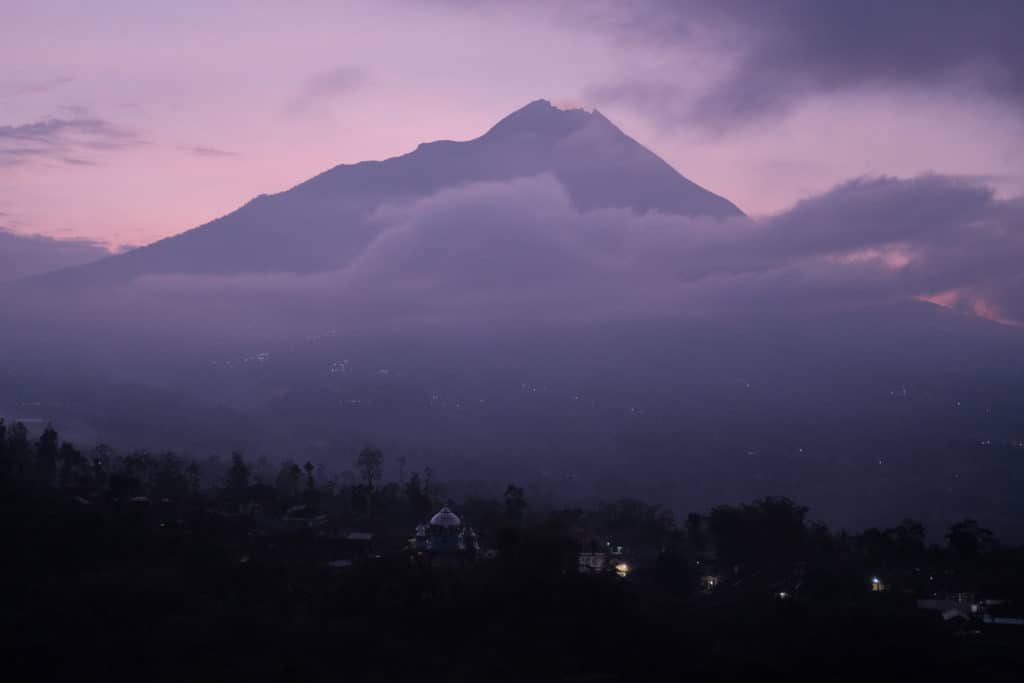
[[322, 223]]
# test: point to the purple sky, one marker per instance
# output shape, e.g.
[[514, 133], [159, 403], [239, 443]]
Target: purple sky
[[125, 122]]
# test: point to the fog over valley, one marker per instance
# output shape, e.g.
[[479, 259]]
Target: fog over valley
[[553, 298]]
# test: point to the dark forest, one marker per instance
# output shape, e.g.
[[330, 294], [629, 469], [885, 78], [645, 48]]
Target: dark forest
[[156, 566]]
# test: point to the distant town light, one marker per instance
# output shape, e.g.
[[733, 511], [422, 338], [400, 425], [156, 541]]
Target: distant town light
[[622, 569]]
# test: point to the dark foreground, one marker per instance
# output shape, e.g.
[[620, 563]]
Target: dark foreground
[[108, 578]]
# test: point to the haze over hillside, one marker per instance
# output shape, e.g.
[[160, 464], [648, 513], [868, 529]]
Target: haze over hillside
[[553, 298], [23, 256]]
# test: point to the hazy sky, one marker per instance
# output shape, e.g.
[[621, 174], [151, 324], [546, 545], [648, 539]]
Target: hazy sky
[[125, 122]]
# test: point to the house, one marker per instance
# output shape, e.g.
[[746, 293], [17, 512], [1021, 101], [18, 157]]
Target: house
[[969, 607], [594, 563], [709, 582], [611, 559], [445, 540], [303, 517]]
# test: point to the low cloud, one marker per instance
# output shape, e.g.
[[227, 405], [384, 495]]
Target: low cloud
[[66, 140], [27, 255], [520, 250]]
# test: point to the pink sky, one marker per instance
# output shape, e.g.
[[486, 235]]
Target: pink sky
[[287, 90]]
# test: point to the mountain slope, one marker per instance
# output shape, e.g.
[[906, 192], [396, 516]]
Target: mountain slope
[[324, 222]]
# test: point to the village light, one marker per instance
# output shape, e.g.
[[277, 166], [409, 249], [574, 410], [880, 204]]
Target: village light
[[622, 569]]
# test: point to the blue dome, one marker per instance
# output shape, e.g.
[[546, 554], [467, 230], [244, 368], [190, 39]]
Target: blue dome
[[445, 518]]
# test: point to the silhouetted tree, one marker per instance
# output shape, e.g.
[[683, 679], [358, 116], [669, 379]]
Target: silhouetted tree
[[416, 494], [900, 547], [370, 463], [19, 448], [101, 464], [138, 464], [515, 502], [968, 540], [262, 470], [695, 534], [122, 485], [389, 497], [640, 527], [170, 479], [47, 448], [311, 496], [672, 573], [768, 532], [287, 481], [193, 478], [237, 480], [16, 460], [6, 466], [71, 465], [428, 477]]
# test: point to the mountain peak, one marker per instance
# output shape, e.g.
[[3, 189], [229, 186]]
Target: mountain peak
[[541, 118], [297, 231]]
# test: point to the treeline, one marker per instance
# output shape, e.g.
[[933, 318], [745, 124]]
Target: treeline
[[161, 566], [47, 462], [769, 541]]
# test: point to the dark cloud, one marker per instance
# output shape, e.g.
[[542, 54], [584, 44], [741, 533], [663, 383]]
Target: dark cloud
[[521, 250], [800, 48], [62, 139], [326, 86], [26, 255], [785, 51]]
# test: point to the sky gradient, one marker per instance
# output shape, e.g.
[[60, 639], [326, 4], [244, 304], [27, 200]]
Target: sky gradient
[[125, 123]]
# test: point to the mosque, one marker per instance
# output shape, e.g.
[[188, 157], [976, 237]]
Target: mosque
[[445, 537]]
